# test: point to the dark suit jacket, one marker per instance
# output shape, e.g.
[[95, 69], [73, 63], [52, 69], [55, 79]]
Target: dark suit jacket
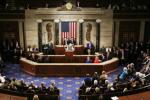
[[90, 46], [88, 81]]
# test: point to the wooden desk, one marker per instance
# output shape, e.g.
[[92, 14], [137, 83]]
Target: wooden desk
[[65, 58], [11, 97], [66, 69], [60, 49]]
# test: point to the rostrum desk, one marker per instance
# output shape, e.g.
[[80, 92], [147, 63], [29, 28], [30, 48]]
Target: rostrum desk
[[66, 69]]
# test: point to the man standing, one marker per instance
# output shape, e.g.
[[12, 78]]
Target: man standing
[[90, 46]]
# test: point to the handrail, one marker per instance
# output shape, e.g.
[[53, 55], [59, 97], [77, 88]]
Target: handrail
[[24, 94], [142, 89]]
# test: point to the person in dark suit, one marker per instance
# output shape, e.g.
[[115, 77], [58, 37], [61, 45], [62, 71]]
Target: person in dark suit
[[73, 41], [51, 48], [42, 89], [90, 46], [70, 40], [88, 80]]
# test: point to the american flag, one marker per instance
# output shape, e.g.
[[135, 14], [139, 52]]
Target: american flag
[[68, 30]]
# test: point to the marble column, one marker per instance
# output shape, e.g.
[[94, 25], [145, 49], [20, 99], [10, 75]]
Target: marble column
[[116, 30], [56, 38], [81, 31], [98, 35], [21, 34], [39, 22]]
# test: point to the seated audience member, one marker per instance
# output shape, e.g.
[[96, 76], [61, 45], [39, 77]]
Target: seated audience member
[[102, 57], [34, 48], [21, 85], [140, 77], [146, 69], [105, 84], [88, 80], [88, 60], [13, 81], [95, 76], [124, 74], [2, 78], [131, 69], [42, 88], [35, 97], [33, 58], [110, 88], [40, 59], [103, 49], [1, 85], [29, 48], [96, 60], [125, 90], [12, 87], [82, 88], [30, 90], [51, 90], [134, 84], [45, 49], [32, 85], [97, 90], [88, 91], [54, 85], [109, 54], [146, 60], [95, 84], [103, 77]]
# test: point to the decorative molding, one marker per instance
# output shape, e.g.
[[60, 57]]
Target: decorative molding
[[56, 20], [98, 20], [69, 7], [81, 20], [39, 20]]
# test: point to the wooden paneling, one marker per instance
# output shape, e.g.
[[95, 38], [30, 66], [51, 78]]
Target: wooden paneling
[[139, 96], [11, 97], [66, 69], [129, 31], [9, 30]]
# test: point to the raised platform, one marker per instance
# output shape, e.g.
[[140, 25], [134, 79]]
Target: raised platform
[[66, 69], [60, 49]]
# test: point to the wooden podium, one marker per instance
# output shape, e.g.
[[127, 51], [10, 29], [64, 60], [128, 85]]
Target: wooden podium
[[69, 56], [69, 53]]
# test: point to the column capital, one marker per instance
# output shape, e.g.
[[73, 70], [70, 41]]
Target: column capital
[[81, 20], [56, 20], [98, 20], [39, 20]]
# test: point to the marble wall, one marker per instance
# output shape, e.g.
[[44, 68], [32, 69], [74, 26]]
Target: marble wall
[[89, 15]]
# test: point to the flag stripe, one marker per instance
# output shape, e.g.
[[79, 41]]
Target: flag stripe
[[69, 30]]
